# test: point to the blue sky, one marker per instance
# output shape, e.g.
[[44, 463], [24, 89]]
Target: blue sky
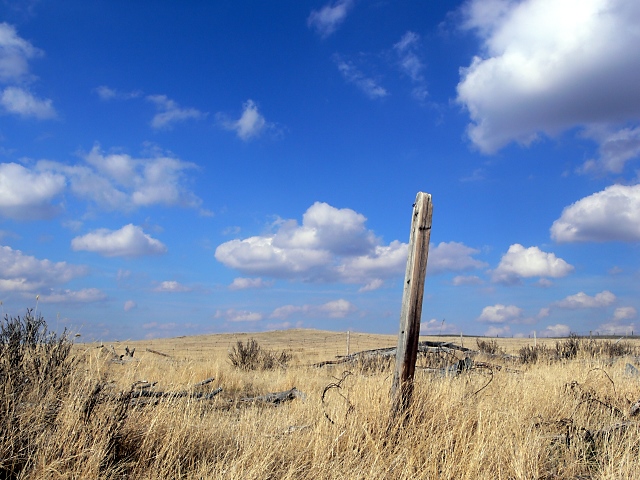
[[178, 168]]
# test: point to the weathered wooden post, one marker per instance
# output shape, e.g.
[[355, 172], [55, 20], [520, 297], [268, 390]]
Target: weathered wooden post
[[407, 350]]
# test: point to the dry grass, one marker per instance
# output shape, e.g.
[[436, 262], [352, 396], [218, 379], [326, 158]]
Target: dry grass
[[533, 421]]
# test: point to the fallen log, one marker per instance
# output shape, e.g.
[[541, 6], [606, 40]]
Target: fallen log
[[276, 397], [158, 353], [196, 395]]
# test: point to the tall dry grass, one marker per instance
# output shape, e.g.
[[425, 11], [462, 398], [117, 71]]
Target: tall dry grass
[[81, 419]]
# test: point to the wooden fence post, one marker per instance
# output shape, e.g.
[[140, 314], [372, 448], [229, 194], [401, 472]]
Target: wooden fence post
[[407, 350]]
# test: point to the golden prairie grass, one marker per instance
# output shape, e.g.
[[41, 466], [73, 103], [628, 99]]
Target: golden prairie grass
[[547, 420]]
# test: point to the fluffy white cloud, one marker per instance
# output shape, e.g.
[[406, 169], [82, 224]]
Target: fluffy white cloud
[[171, 286], [334, 309], [615, 328], [118, 181], [21, 102], [243, 283], [233, 315], [558, 330], [129, 305], [326, 20], [496, 331], [547, 66], [24, 273], [616, 148], [452, 257], [500, 314], [610, 215], [410, 63], [624, 313], [352, 74], [331, 245], [582, 300], [129, 241], [251, 123], [15, 53], [520, 262], [86, 295], [169, 113], [26, 195]]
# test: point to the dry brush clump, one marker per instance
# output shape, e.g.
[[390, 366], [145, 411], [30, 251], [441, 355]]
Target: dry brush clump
[[557, 420], [251, 356]]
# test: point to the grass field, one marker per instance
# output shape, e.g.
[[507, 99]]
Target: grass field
[[77, 415]]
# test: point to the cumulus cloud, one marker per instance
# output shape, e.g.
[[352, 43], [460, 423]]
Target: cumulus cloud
[[352, 74], [27, 195], [548, 66], [86, 295], [129, 305], [411, 64], [250, 125], [500, 314], [616, 148], [243, 283], [466, 280], [169, 113], [624, 313], [610, 215], [171, 286], [617, 325], [24, 273], [452, 257], [437, 327], [496, 331], [520, 262], [582, 300], [15, 53], [117, 181], [326, 20], [233, 315], [334, 309], [333, 245], [21, 102], [558, 330], [129, 241]]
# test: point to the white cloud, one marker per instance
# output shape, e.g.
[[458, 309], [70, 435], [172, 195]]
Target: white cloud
[[614, 328], [466, 280], [624, 313], [28, 195], [129, 241], [352, 74], [107, 93], [334, 309], [326, 20], [437, 327], [500, 314], [520, 262], [171, 286], [558, 330], [496, 331], [410, 63], [251, 123], [129, 305], [15, 53], [582, 300], [452, 257], [233, 315], [117, 181], [169, 113], [616, 148], [21, 102], [331, 245], [24, 273], [610, 215], [243, 283], [548, 66], [86, 295]]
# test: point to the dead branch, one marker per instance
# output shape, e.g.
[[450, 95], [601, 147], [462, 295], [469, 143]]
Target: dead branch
[[204, 382], [275, 398], [158, 353]]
